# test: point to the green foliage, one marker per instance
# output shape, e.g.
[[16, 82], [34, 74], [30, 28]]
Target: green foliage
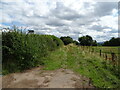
[[112, 42], [87, 41], [23, 51], [67, 40]]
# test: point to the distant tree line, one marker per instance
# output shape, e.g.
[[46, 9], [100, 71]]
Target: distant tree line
[[84, 41], [88, 41], [112, 42]]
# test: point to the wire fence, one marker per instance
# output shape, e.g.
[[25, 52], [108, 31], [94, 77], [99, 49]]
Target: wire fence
[[110, 56]]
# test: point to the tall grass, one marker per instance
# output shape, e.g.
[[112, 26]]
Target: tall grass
[[23, 51]]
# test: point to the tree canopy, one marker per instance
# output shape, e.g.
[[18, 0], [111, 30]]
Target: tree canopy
[[87, 41], [66, 40]]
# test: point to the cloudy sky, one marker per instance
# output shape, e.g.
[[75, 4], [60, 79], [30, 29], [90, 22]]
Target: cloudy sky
[[73, 18]]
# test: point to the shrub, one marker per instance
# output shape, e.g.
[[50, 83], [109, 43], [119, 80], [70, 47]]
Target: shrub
[[23, 51]]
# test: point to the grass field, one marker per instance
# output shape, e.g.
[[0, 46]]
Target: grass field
[[91, 65], [106, 49]]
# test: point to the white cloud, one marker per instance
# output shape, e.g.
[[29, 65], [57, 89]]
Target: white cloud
[[109, 21], [63, 17]]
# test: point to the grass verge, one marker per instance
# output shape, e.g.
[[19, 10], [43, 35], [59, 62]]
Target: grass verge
[[101, 73]]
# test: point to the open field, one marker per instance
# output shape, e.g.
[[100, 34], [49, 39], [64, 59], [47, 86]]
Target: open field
[[107, 49], [108, 53], [111, 53]]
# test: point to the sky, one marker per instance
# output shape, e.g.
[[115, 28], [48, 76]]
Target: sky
[[74, 18]]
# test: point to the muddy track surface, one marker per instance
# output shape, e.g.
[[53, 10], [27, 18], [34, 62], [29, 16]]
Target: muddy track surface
[[38, 78]]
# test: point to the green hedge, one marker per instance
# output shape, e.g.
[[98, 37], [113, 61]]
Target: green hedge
[[23, 51]]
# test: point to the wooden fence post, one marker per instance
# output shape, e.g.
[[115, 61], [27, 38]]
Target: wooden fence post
[[100, 52], [105, 56], [113, 57]]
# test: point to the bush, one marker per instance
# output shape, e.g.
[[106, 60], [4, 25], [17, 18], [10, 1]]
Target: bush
[[23, 51]]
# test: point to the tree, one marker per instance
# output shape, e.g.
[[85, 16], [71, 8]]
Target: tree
[[86, 40], [66, 40]]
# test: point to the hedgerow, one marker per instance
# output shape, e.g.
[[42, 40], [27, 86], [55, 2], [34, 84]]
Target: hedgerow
[[23, 51]]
